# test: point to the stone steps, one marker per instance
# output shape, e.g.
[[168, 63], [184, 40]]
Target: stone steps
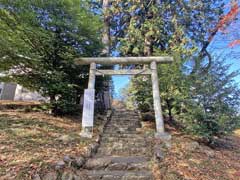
[[124, 142], [123, 151], [125, 118], [122, 139], [116, 113], [121, 130], [123, 114], [129, 134], [124, 124], [119, 175], [122, 127], [118, 163], [123, 154]]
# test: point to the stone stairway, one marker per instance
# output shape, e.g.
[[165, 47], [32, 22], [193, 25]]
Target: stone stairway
[[124, 152]]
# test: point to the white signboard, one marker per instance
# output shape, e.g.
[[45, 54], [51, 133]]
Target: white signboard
[[88, 108]]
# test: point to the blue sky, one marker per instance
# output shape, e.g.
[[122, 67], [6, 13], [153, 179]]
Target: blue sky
[[119, 83], [220, 44], [231, 55], [223, 49]]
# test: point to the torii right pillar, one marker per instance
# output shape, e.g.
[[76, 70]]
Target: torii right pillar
[[157, 105]]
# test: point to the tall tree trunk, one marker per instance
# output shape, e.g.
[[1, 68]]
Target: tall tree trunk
[[53, 104], [169, 106], [106, 50], [148, 41], [148, 50], [148, 44], [106, 28]]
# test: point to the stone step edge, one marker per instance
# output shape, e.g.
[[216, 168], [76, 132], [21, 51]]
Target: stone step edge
[[121, 159], [118, 173]]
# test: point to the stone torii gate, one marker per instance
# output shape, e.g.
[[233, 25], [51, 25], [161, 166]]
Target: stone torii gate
[[89, 94]]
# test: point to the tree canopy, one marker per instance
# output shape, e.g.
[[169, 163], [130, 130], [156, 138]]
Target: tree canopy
[[40, 39], [184, 30]]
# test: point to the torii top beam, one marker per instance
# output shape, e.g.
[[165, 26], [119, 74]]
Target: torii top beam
[[123, 60]]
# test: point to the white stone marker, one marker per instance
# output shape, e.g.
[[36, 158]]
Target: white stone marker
[[88, 113], [88, 105]]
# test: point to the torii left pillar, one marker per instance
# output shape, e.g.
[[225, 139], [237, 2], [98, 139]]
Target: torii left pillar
[[88, 106]]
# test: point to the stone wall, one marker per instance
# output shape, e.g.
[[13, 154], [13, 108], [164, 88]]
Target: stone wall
[[1, 89], [15, 92], [22, 94], [8, 91]]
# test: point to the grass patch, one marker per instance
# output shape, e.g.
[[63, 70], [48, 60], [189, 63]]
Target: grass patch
[[202, 163], [30, 142]]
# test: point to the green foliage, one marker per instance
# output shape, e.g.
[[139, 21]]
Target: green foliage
[[166, 28], [171, 26], [140, 97], [213, 104], [45, 107], [181, 29], [39, 41]]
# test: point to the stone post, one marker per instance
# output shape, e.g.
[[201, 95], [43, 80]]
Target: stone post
[[107, 100], [156, 99], [88, 105], [161, 134], [92, 76]]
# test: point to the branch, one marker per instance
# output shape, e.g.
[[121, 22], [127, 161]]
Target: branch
[[223, 23]]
